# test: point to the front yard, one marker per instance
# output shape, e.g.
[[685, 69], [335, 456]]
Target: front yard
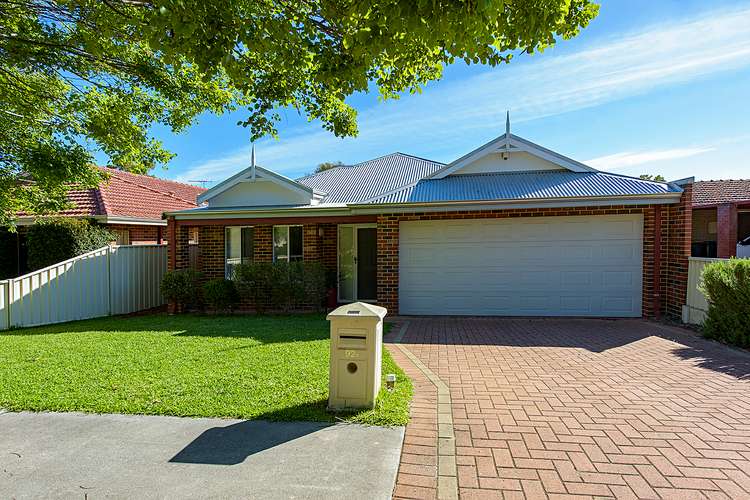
[[267, 367]]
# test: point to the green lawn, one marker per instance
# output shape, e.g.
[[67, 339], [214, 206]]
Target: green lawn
[[267, 367]]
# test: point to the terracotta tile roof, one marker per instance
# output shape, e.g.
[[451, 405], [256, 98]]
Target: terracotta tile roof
[[132, 195], [717, 192]]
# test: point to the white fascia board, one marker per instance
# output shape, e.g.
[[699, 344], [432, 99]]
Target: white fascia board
[[516, 143], [137, 221], [240, 213], [661, 199]]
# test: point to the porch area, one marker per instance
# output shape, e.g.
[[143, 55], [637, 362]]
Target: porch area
[[346, 247], [717, 230]]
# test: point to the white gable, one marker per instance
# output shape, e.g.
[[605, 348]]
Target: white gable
[[257, 186], [510, 153], [516, 162]]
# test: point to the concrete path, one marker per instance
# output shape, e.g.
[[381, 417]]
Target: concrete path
[[72, 455]]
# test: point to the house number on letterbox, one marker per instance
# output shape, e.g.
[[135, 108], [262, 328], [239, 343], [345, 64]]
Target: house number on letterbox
[[351, 354]]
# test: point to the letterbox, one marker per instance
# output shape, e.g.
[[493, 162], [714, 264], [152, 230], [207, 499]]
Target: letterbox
[[356, 350]]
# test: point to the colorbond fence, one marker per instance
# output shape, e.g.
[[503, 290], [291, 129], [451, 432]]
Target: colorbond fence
[[110, 280], [694, 311]]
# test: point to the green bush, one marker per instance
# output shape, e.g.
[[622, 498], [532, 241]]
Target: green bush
[[726, 284], [282, 285], [220, 294], [183, 287], [9, 253], [50, 241]]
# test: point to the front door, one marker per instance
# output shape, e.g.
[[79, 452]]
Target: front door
[[357, 262]]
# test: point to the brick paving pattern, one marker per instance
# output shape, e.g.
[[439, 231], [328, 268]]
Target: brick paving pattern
[[547, 408]]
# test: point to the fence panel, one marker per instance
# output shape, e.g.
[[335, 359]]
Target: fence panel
[[694, 312], [110, 280], [136, 272]]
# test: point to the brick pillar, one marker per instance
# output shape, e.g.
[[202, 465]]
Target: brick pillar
[[675, 253], [726, 229], [182, 250], [263, 235], [171, 243], [311, 243], [387, 236], [211, 242]]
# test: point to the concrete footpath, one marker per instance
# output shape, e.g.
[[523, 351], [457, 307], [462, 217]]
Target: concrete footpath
[[73, 455]]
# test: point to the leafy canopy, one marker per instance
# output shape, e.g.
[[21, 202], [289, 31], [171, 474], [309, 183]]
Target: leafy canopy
[[651, 177], [80, 76], [327, 165]]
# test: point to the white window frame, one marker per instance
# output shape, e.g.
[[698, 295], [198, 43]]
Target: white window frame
[[226, 269], [287, 257]]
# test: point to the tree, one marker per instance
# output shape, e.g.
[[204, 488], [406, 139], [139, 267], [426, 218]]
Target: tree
[[650, 177], [328, 165], [81, 76]]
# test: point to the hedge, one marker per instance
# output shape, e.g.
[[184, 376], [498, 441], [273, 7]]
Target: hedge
[[183, 286], [282, 286], [50, 241], [726, 285]]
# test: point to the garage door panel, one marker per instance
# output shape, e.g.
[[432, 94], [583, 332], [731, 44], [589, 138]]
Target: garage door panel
[[517, 267]]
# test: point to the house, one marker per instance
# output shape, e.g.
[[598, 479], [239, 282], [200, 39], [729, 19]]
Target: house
[[721, 217], [130, 205], [510, 228]]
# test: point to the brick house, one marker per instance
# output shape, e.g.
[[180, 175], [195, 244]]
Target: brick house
[[510, 228], [131, 205], [721, 217]]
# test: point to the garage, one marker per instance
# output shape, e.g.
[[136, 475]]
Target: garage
[[532, 266]]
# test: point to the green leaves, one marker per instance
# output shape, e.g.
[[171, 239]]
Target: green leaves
[[102, 74]]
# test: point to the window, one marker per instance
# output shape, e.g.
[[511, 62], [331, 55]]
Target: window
[[123, 237], [287, 243], [238, 248]]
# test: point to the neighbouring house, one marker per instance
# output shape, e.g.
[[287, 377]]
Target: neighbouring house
[[510, 228], [130, 205], [721, 218]]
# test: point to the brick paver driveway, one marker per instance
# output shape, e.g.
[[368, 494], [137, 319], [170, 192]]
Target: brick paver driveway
[[600, 408]]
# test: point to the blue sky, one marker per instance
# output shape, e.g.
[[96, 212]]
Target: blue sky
[[659, 87]]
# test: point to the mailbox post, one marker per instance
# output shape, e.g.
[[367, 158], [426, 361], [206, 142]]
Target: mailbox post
[[356, 355]]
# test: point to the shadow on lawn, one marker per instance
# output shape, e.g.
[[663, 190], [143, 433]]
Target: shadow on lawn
[[232, 444], [264, 329]]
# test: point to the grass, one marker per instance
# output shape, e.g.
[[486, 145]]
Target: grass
[[252, 367]]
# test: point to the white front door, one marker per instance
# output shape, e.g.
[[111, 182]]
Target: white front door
[[357, 266], [531, 266]]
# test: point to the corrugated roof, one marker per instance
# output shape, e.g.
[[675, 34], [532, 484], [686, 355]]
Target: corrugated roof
[[357, 183], [523, 186], [716, 192]]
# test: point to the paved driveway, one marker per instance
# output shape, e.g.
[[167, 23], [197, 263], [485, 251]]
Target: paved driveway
[[603, 408]]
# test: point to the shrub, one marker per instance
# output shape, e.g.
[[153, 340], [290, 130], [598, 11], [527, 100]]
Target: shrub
[[50, 241], [182, 286], [9, 252], [282, 285], [726, 284], [220, 294], [253, 280]]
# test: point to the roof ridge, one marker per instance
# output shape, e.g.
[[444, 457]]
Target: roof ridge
[[418, 157]]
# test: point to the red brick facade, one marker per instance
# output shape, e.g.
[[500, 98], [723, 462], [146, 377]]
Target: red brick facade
[[664, 268], [663, 297], [142, 234]]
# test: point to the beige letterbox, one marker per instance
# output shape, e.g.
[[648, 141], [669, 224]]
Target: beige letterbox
[[356, 350]]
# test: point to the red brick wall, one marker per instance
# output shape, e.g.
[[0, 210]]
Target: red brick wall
[[141, 234], [675, 247], [726, 229]]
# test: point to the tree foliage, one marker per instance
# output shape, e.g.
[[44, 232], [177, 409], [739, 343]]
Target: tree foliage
[[50, 241], [651, 177], [80, 76], [327, 165]]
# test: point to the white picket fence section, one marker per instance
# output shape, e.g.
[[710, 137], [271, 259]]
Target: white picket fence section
[[110, 280], [694, 312]]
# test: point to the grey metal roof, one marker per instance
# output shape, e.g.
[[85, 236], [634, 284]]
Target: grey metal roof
[[360, 182], [523, 186]]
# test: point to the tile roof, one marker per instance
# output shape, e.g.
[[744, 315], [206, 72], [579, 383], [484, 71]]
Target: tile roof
[[716, 192], [523, 186], [132, 195], [357, 183]]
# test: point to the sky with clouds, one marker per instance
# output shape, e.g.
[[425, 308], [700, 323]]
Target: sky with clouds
[[650, 87]]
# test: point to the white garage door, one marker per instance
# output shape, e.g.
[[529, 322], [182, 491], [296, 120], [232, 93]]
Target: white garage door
[[541, 266]]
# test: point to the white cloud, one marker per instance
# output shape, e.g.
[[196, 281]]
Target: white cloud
[[629, 158], [450, 118]]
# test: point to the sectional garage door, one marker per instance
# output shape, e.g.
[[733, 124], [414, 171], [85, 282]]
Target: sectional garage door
[[540, 266]]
